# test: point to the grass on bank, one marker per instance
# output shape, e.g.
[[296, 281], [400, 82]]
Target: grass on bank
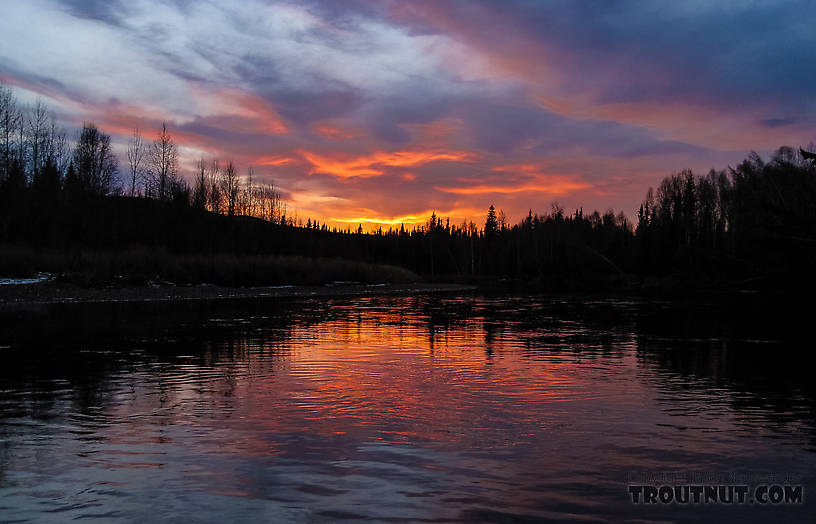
[[138, 266]]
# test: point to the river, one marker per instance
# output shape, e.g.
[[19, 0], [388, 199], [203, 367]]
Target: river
[[442, 408]]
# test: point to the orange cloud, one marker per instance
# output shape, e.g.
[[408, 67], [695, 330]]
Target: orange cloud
[[555, 185], [518, 168], [260, 116], [373, 164], [334, 132], [272, 160]]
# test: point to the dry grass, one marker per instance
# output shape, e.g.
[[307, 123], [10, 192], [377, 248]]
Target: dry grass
[[137, 266]]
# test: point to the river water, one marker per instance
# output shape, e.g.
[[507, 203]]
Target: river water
[[435, 408]]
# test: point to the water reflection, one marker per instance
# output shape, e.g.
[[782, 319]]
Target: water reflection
[[389, 408]]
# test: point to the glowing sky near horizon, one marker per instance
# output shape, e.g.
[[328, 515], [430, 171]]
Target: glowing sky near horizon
[[382, 111]]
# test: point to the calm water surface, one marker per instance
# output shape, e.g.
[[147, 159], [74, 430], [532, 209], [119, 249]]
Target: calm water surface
[[433, 408]]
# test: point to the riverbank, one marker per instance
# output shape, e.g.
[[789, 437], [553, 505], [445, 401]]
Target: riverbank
[[13, 296], [44, 289]]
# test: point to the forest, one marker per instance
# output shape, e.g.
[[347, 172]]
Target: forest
[[72, 207]]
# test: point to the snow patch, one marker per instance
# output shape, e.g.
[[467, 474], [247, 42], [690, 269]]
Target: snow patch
[[41, 277]]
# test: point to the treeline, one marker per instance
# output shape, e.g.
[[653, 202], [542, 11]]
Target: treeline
[[153, 172], [747, 223], [41, 168], [757, 219]]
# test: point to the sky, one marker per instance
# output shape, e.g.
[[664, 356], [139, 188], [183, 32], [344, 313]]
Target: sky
[[380, 112]]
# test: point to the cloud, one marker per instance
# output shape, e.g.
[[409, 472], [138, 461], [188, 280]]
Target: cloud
[[733, 57], [555, 187], [376, 163], [529, 178], [778, 122], [410, 106]]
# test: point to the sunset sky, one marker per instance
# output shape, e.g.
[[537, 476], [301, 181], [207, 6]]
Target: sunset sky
[[382, 111]]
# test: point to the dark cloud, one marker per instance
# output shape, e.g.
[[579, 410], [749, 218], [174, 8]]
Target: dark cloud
[[32, 81], [417, 104], [730, 53], [305, 107], [111, 12], [389, 131], [778, 122], [502, 128], [505, 129]]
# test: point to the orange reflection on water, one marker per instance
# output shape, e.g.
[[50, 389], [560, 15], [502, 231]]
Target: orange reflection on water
[[375, 375], [435, 405]]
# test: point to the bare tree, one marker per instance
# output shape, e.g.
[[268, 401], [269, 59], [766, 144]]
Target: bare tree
[[10, 118], [278, 207], [38, 135], [94, 160], [214, 184], [268, 202], [59, 153], [503, 222], [164, 164], [249, 196], [21, 141], [201, 190], [230, 185], [135, 155]]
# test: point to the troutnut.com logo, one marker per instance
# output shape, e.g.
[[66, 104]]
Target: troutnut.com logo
[[714, 488]]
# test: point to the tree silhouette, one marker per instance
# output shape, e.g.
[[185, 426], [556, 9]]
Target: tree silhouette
[[807, 155], [214, 197], [164, 164], [230, 187], [491, 222], [200, 189], [94, 160], [135, 157], [10, 118]]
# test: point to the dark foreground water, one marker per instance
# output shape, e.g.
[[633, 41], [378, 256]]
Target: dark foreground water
[[433, 408]]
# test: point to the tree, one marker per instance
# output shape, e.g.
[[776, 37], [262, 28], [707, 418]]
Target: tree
[[59, 153], [180, 192], [277, 207], [249, 195], [230, 187], [266, 203], [45, 188], [200, 191], [491, 222], [39, 136], [164, 164], [10, 118], [135, 156], [214, 198], [94, 161], [502, 219]]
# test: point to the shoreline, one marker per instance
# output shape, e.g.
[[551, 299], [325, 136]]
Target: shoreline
[[13, 296], [54, 292]]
